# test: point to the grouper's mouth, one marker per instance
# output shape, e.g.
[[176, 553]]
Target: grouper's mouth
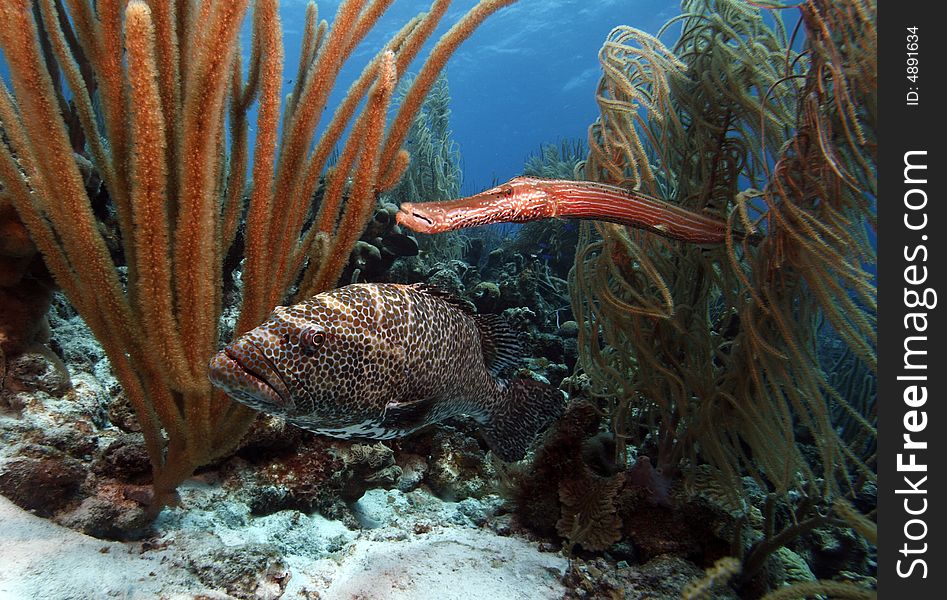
[[245, 374]]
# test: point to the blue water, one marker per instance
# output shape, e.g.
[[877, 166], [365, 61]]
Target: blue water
[[526, 77]]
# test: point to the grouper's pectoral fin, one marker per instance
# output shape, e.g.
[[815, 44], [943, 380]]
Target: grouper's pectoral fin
[[527, 407], [408, 415]]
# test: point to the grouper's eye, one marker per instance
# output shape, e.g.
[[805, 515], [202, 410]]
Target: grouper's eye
[[312, 338]]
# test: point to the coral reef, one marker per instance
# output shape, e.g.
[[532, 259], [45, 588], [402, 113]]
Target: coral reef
[[43, 483], [434, 172], [589, 515], [175, 180], [25, 289], [380, 246], [458, 468], [556, 161], [713, 362], [720, 438], [664, 576], [368, 467], [715, 576], [535, 491], [247, 571], [658, 334], [306, 477]]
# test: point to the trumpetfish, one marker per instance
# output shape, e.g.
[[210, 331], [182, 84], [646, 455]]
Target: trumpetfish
[[524, 199]]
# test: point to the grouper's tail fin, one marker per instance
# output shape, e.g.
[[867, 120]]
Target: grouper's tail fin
[[524, 410]]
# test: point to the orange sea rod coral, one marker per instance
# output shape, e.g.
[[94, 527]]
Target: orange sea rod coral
[[171, 148]]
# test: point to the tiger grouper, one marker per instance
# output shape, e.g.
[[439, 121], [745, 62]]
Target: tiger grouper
[[381, 361]]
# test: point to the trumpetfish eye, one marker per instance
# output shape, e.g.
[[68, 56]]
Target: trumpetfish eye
[[422, 217]]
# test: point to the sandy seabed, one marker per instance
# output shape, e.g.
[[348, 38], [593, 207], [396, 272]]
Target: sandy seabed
[[394, 559]]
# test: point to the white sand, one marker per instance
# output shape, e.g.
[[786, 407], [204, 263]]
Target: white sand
[[42, 560], [461, 564], [452, 560]]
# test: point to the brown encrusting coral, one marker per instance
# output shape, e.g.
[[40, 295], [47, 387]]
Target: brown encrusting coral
[[588, 510], [171, 148], [25, 289]]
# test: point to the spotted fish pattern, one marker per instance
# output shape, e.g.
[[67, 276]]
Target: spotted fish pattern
[[381, 361]]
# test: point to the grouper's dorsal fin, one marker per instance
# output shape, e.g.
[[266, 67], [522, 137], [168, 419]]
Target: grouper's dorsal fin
[[442, 294], [501, 345]]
